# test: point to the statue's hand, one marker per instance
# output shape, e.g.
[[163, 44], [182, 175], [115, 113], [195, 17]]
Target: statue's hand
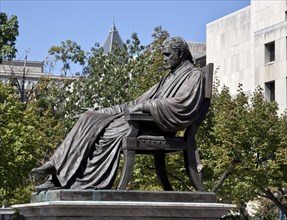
[[135, 108]]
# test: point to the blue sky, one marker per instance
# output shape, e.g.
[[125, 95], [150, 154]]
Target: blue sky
[[46, 23]]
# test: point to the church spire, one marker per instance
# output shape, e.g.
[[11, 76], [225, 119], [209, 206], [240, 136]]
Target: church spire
[[112, 37]]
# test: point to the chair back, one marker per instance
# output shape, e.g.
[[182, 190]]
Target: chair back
[[208, 80], [208, 75]]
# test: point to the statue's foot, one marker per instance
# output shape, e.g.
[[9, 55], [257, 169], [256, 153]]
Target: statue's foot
[[48, 185], [46, 169]]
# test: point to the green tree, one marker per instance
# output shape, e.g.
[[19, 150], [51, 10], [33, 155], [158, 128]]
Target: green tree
[[8, 34], [152, 66], [19, 80], [132, 71], [106, 79], [28, 134], [30, 125], [153, 69], [69, 52], [243, 143]]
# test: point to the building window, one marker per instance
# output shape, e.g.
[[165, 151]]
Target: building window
[[270, 91], [270, 52]]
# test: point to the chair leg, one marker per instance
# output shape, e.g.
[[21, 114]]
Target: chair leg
[[128, 168], [191, 158], [159, 161]]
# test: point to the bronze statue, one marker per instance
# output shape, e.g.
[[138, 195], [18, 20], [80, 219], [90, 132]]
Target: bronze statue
[[89, 155]]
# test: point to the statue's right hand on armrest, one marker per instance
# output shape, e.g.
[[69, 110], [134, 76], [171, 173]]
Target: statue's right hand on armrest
[[139, 107], [135, 108]]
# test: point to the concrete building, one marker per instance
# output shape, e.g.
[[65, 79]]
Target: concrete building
[[249, 47], [33, 71], [198, 52]]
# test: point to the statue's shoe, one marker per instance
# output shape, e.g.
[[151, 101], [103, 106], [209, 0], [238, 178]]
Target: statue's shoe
[[46, 169], [48, 185]]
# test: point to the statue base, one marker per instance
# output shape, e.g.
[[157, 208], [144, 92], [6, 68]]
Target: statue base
[[122, 205]]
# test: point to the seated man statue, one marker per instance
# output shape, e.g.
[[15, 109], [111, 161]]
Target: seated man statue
[[89, 155]]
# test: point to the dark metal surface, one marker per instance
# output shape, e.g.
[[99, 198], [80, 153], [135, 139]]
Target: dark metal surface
[[134, 143], [89, 155]]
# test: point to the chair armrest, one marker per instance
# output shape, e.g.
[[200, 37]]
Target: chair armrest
[[138, 116], [134, 118]]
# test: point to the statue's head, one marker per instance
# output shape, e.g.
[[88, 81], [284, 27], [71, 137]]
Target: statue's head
[[175, 51]]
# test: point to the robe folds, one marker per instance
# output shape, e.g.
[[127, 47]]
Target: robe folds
[[89, 155]]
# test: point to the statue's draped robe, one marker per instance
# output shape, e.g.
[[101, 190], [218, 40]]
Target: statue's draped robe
[[89, 155]]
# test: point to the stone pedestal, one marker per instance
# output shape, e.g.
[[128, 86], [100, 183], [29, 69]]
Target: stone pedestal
[[122, 205]]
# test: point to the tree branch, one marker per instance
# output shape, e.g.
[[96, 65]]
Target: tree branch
[[180, 180], [262, 195], [226, 174], [219, 183], [271, 196]]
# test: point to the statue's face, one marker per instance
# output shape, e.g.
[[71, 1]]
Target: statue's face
[[170, 57]]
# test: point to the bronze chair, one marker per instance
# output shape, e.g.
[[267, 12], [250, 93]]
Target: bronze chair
[[161, 145]]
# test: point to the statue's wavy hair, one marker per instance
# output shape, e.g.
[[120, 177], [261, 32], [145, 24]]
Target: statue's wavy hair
[[180, 46]]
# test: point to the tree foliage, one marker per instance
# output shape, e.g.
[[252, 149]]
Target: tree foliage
[[28, 134], [8, 34], [115, 78], [244, 139], [69, 52], [18, 79], [151, 62]]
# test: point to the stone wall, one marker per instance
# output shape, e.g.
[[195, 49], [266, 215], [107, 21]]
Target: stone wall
[[239, 46]]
